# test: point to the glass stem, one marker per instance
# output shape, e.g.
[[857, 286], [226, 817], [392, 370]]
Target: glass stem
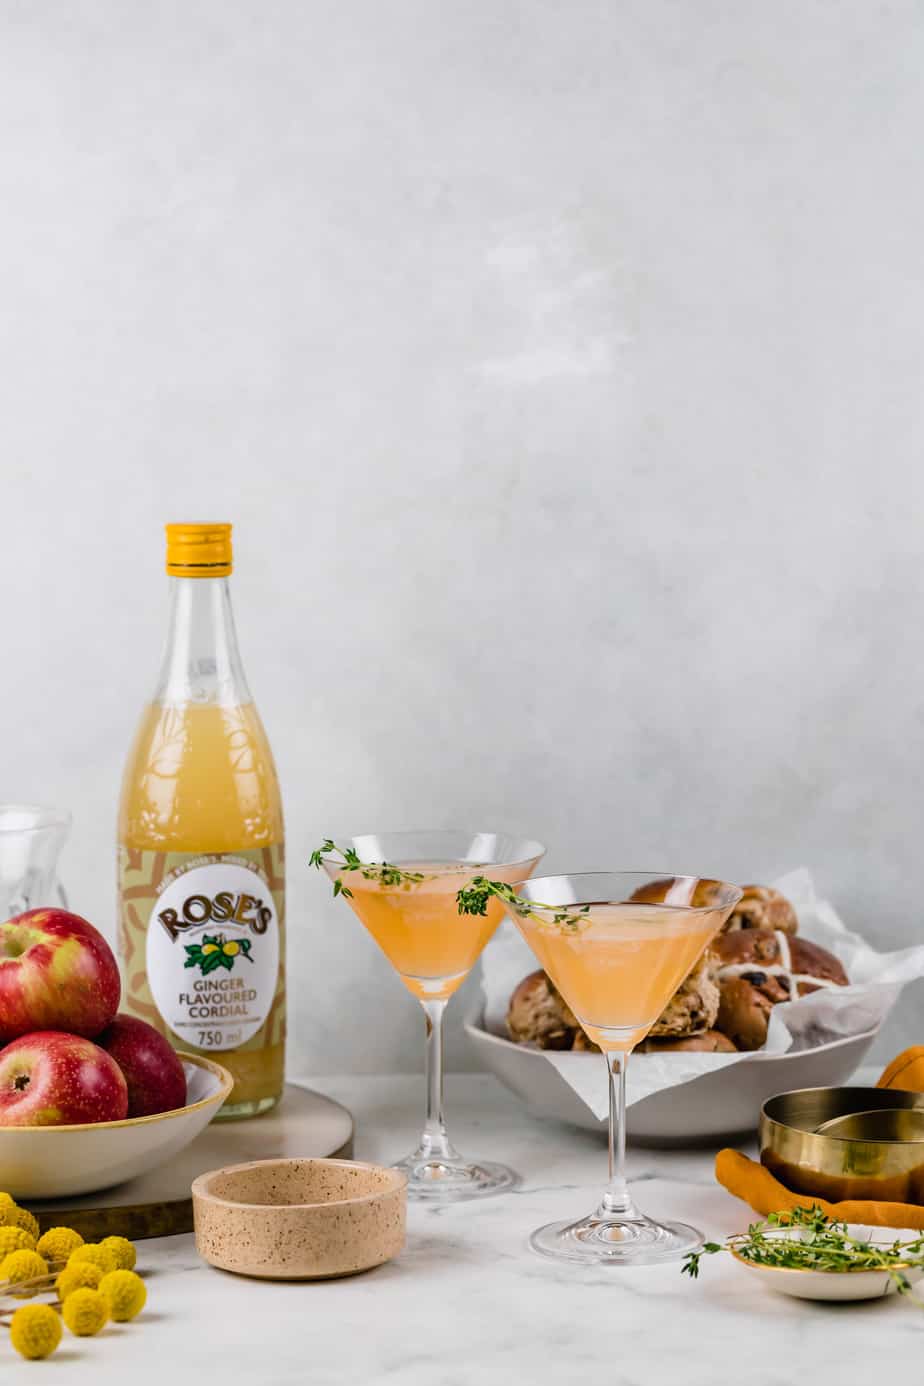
[[617, 1201], [434, 1142]]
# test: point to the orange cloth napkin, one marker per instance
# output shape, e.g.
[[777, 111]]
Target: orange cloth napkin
[[748, 1180]]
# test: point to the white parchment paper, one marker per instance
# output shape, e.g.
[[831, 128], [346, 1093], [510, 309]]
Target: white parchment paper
[[831, 1013]]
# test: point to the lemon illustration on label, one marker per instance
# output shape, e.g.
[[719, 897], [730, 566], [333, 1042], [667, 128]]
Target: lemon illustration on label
[[216, 951]]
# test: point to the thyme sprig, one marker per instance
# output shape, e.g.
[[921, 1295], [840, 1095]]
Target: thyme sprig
[[818, 1243], [473, 899], [382, 871]]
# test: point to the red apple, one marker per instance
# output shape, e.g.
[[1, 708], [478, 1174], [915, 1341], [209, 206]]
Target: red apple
[[154, 1074], [52, 1079], [56, 973]]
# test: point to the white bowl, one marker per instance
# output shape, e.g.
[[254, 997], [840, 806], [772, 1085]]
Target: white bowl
[[716, 1105], [836, 1285], [62, 1161]]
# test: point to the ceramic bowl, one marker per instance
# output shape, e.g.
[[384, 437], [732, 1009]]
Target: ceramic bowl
[[832, 1166], [299, 1219], [801, 1283], [61, 1161], [714, 1106]]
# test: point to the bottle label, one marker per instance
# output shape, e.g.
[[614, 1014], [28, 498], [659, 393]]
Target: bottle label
[[201, 938]]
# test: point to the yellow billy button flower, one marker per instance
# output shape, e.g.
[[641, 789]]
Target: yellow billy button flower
[[14, 1239], [21, 1217], [7, 1200], [125, 1294], [82, 1276], [22, 1265], [96, 1254], [85, 1312], [123, 1251], [57, 1243], [35, 1330]]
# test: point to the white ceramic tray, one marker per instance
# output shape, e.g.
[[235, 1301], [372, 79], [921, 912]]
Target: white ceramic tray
[[717, 1105]]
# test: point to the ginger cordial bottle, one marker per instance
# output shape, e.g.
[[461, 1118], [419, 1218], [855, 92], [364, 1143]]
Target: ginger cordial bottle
[[201, 842]]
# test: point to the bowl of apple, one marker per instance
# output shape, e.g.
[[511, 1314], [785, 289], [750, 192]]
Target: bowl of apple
[[89, 1097]]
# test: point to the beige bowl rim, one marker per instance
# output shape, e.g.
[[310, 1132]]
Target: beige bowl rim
[[201, 1190]]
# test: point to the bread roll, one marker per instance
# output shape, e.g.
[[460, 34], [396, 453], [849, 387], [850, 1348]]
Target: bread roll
[[678, 892], [538, 1015], [691, 1011], [694, 1007], [753, 948], [762, 907], [759, 968], [710, 1042]]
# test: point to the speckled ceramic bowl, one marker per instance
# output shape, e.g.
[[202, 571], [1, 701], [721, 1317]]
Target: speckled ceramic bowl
[[299, 1219]]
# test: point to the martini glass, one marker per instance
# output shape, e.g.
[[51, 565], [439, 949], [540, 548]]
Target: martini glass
[[617, 944], [403, 887]]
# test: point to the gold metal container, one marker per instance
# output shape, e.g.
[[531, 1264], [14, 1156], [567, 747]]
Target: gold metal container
[[837, 1167]]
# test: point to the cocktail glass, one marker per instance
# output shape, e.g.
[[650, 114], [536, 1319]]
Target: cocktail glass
[[404, 890], [617, 944]]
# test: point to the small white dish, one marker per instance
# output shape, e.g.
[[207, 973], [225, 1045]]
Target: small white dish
[[63, 1161], [836, 1285]]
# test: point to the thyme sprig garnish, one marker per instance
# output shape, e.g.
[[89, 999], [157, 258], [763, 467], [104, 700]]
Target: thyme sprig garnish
[[473, 899], [818, 1243], [382, 871]]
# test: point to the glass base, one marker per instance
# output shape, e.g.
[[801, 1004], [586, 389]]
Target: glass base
[[606, 1240], [240, 1111], [431, 1179]]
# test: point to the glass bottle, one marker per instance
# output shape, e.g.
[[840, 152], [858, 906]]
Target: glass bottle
[[201, 842]]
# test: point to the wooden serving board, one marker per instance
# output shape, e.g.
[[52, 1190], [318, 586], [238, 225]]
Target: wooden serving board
[[158, 1204]]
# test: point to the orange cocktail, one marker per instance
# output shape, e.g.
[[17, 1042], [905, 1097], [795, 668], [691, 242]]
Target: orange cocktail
[[618, 966], [403, 886], [418, 927], [617, 944]]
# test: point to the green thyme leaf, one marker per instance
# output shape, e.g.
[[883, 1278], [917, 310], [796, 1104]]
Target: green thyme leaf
[[324, 850], [473, 899], [691, 1264], [385, 873]]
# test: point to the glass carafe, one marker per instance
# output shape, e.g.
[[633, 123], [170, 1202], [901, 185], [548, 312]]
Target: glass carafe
[[31, 838]]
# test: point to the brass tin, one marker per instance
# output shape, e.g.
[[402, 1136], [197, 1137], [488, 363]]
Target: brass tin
[[839, 1167]]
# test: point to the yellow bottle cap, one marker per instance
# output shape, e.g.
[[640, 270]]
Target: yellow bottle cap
[[198, 551]]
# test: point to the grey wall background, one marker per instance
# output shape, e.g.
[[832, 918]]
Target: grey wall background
[[560, 367]]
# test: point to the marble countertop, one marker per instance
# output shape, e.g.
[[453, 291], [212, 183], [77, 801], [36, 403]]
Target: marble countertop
[[467, 1303]]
